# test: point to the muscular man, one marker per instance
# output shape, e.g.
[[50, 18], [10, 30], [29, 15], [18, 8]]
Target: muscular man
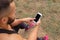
[[7, 18]]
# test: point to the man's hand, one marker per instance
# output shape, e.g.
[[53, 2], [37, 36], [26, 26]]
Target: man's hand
[[28, 20], [38, 23]]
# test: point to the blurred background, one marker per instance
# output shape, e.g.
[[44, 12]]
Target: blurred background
[[50, 9]]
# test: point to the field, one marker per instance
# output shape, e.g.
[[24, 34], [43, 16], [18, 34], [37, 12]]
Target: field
[[51, 16]]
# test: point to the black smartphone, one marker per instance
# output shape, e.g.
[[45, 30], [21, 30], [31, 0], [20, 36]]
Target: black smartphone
[[38, 16]]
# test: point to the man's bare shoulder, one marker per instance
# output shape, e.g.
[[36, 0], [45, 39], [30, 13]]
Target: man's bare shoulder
[[4, 36]]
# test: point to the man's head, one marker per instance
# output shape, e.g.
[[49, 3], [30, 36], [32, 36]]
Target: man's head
[[7, 11]]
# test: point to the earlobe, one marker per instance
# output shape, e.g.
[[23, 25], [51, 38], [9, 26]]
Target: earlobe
[[4, 20]]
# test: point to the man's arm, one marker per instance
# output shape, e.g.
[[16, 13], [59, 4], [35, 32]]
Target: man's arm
[[18, 21], [33, 34]]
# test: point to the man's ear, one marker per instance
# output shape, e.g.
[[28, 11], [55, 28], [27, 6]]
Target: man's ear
[[4, 20]]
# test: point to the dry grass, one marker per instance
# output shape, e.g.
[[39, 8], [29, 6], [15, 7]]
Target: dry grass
[[51, 15]]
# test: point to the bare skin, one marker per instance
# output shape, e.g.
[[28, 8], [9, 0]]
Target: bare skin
[[4, 25], [32, 35], [18, 21]]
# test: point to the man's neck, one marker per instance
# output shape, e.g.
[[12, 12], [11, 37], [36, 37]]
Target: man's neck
[[7, 27]]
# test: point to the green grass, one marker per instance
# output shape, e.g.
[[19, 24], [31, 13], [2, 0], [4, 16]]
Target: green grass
[[51, 14]]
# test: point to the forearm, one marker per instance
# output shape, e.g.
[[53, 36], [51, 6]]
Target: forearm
[[33, 34], [17, 21]]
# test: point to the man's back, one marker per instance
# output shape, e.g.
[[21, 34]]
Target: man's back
[[9, 35], [4, 36]]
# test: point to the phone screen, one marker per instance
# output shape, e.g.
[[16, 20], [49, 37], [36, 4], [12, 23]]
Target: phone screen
[[37, 17]]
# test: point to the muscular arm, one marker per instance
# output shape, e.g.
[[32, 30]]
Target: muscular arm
[[33, 34], [18, 21]]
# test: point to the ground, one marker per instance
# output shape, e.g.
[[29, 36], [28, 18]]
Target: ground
[[51, 16]]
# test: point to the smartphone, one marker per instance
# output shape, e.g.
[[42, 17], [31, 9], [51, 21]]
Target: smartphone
[[26, 26], [32, 24], [38, 16]]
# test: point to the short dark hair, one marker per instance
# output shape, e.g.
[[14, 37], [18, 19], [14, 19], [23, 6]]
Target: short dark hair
[[4, 7], [4, 4]]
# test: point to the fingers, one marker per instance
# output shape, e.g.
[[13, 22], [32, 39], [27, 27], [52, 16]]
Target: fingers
[[30, 19], [38, 23]]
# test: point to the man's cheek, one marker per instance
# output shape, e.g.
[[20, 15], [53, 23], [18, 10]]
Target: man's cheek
[[10, 21]]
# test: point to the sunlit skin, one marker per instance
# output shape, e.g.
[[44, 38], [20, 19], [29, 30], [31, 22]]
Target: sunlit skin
[[4, 36]]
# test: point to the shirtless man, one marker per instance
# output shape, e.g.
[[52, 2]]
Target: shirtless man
[[7, 17]]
